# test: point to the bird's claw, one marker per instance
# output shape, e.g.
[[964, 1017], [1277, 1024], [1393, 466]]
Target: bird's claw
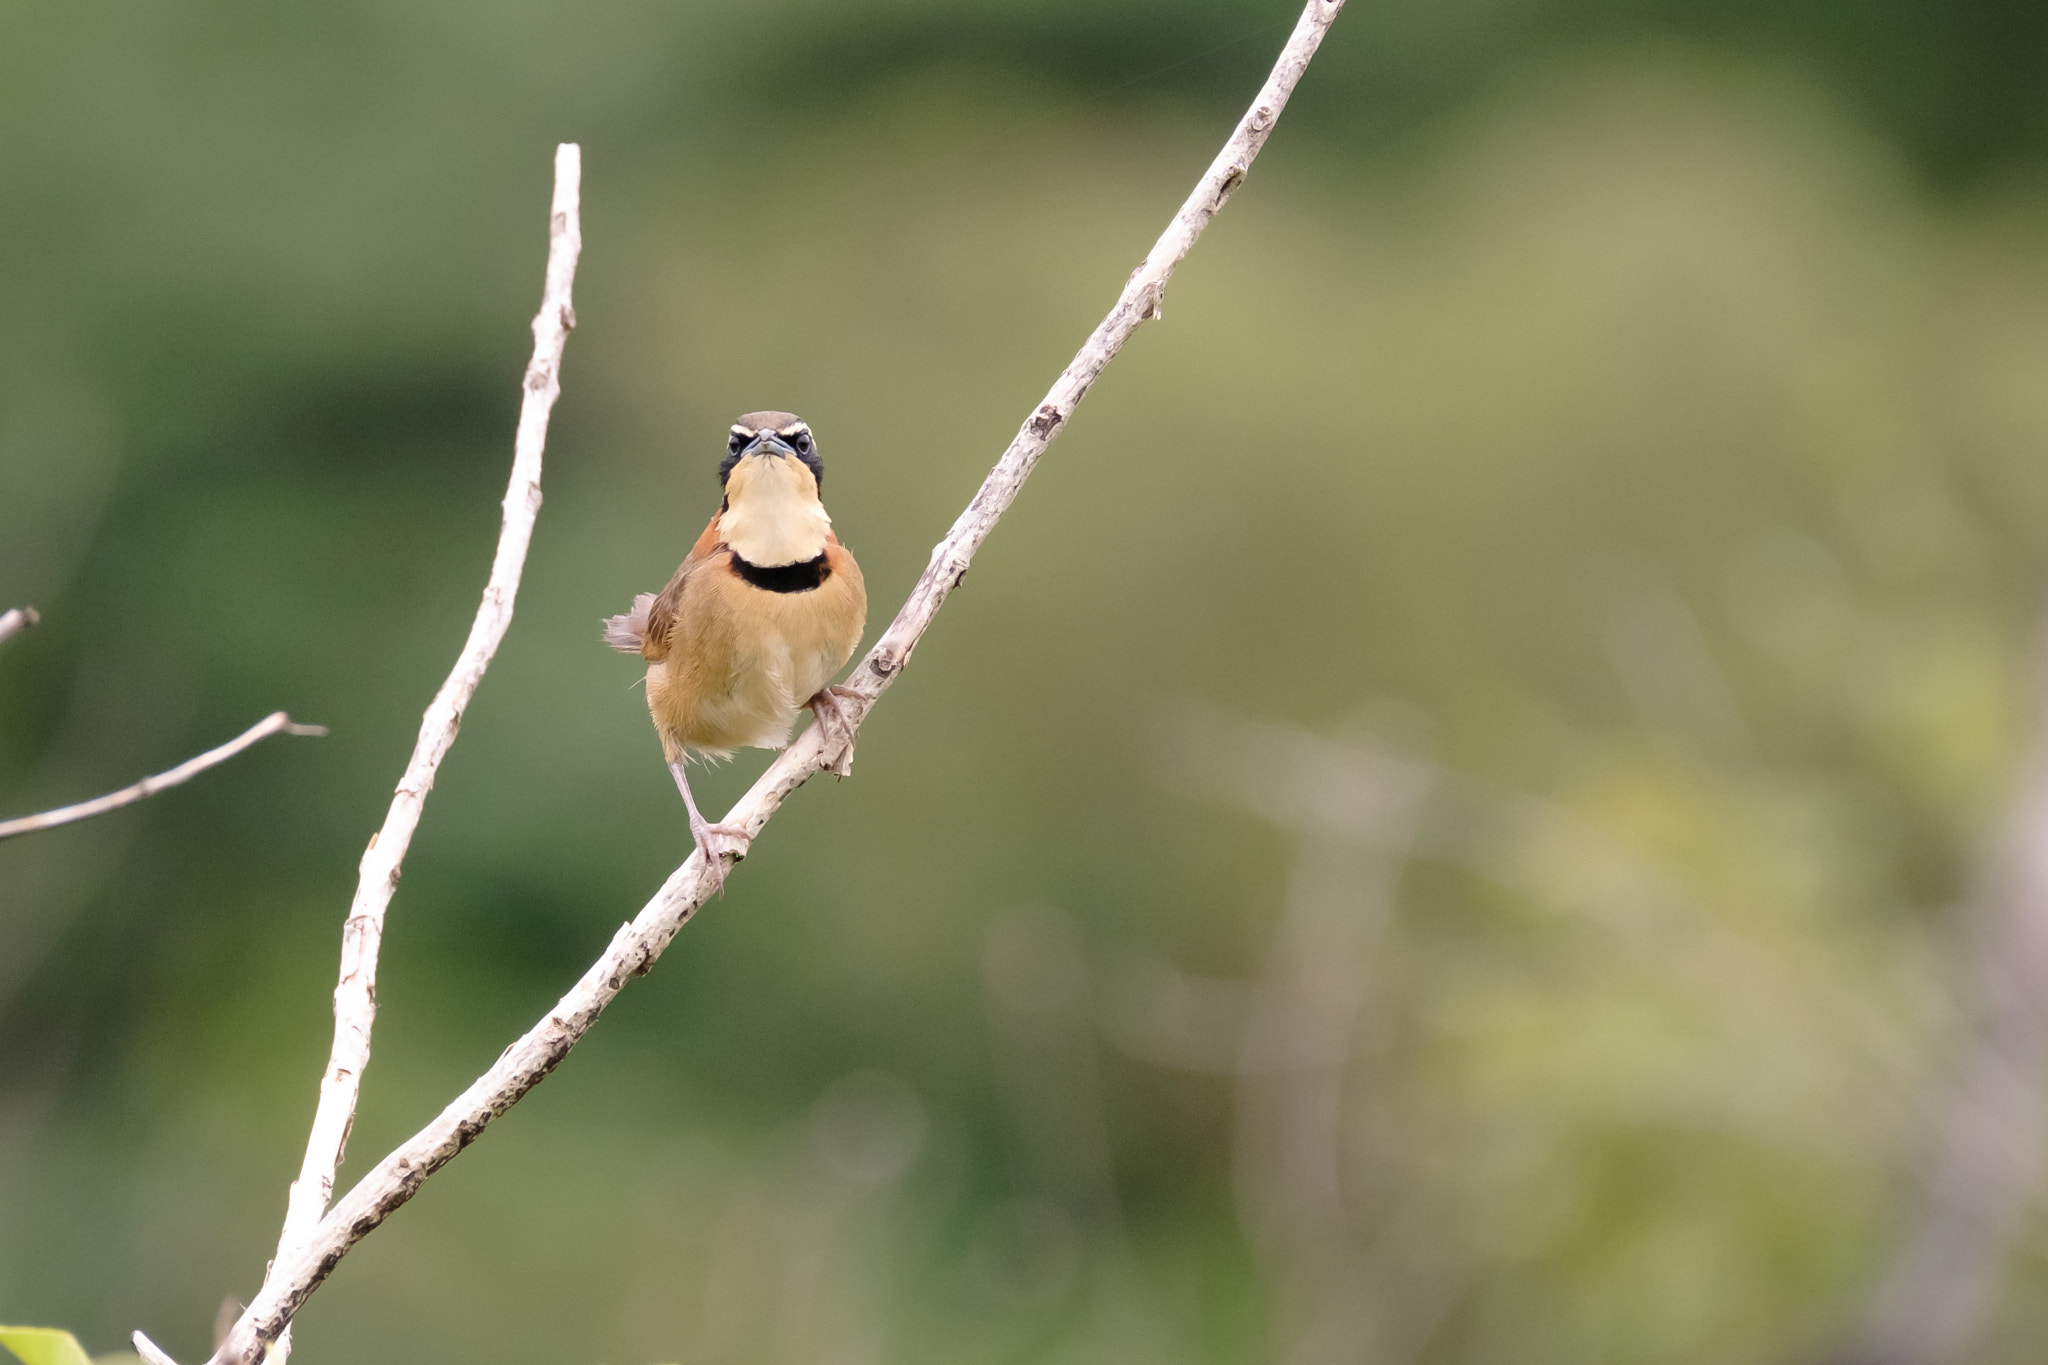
[[837, 725], [709, 837]]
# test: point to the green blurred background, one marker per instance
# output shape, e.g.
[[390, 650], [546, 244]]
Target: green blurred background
[[1632, 414]]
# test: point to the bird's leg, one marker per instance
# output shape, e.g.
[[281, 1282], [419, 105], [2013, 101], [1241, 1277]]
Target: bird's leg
[[837, 725], [703, 831]]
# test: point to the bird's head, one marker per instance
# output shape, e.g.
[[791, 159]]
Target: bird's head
[[772, 474], [771, 436]]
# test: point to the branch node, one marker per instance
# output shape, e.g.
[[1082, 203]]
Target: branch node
[[1231, 180]]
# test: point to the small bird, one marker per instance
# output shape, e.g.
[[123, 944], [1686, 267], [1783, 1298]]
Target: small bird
[[766, 608]]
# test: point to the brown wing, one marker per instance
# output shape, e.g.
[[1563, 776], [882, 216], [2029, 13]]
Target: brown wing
[[661, 616]]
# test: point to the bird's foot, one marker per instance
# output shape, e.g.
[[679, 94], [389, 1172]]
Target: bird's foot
[[838, 726], [714, 842]]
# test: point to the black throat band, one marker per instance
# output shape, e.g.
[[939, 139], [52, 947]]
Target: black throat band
[[784, 577]]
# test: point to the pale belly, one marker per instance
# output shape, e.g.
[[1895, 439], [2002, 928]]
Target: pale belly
[[756, 704], [737, 679]]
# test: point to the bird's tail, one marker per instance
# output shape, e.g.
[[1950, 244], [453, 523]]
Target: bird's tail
[[628, 633]]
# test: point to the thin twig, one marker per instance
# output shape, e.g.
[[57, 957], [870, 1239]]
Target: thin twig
[[17, 619], [275, 723], [355, 994], [633, 950]]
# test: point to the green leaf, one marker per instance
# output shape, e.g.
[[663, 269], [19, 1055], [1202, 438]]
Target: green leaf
[[44, 1346]]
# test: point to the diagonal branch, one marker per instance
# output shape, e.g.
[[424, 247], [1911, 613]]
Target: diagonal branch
[[275, 723], [17, 619], [301, 1267]]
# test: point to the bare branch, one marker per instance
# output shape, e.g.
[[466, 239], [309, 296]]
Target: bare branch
[[275, 723], [300, 1268], [355, 995], [17, 619]]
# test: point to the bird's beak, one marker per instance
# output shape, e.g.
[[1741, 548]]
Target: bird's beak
[[768, 443]]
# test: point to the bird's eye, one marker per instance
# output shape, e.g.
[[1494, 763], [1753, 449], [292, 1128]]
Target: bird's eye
[[738, 442], [801, 442]]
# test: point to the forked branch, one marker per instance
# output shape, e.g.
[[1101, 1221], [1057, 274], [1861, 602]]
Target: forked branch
[[303, 1263], [355, 994]]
